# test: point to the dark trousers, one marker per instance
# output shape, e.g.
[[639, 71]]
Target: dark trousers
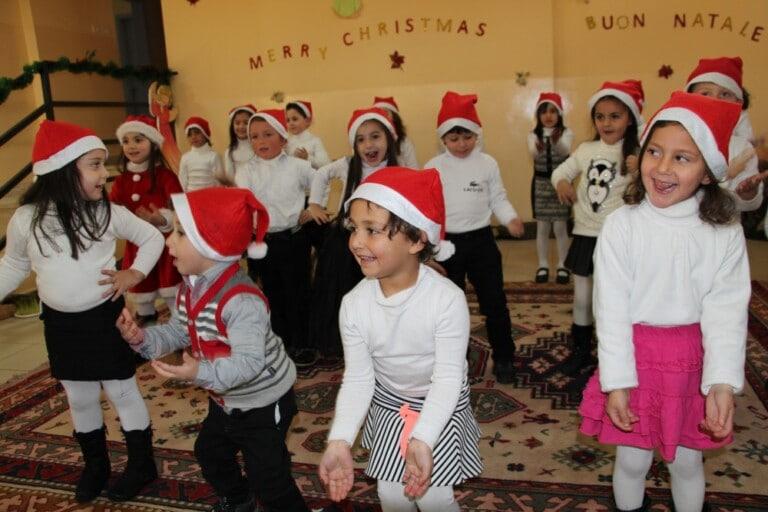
[[478, 258], [262, 442], [284, 275]]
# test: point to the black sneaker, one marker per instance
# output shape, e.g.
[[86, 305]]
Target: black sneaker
[[305, 357], [229, 505], [504, 371]]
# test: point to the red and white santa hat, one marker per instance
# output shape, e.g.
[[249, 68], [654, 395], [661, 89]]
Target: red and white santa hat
[[58, 143], [414, 196], [222, 223], [274, 117], [709, 122], [629, 92], [458, 110], [248, 108], [305, 107], [199, 123], [723, 71], [144, 125], [368, 114], [387, 103], [553, 99]]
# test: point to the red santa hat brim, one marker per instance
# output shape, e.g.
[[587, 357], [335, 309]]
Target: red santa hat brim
[[146, 130], [68, 154], [370, 116], [720, 79], [187, 221], [623, 97], [271, 120]]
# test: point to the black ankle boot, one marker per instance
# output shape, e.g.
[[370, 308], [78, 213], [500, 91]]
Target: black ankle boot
[[645, 507], [140, 470], [581, 354], [96, 471]]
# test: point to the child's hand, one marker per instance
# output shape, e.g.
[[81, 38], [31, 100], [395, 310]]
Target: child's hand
[[632, 163], [301, 153], [747, 189], [151, 215], [187, 370], [565, 192], [129, 329], [719, 411], [617, 408], [319, 214], [121, 281], [418, 468], [336, 470], [516, 227], [539, 145]]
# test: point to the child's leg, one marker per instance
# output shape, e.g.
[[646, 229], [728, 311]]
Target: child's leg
[[126, 398], [561, 235], [169, 296], [144, 302], [438, 499], [392, 497], [632, 464], [542, 242], [687, 472], [84, 399], [582, 300]]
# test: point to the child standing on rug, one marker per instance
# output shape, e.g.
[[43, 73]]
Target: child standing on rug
[[66, 231], [201, 166], [671, 298], [473, 191], [239, 152], [405, 331], [144, 186], [406, 151], [301, 143], [237, 358], [549, 144], [604, 166]]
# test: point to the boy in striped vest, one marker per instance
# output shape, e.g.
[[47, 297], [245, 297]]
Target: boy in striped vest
[[224, 319]]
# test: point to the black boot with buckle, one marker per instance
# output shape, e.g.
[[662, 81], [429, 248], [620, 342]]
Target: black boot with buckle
[[140, 470], [96, 471]]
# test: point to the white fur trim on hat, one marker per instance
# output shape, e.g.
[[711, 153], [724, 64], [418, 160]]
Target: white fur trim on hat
[[139, 127], [274, 123], [241, 108], [195, 125], [257, 250], [445, 249], [557, 107], [184, 214], [622, 96], [387, 106], [68, 154], [370, 116], [450, 124], [303, 108], [719, 79]]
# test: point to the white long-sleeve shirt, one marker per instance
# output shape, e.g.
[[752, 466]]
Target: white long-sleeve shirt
[[198, 168], [473, 190], [736, 146], [238, 158], [667, 267], [338, 169], [318, 156], [563, 145], [67, 284], [280, 184], [744, 127], [413, 343], [407, 156]]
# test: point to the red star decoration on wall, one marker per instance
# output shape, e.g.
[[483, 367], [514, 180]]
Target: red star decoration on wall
[[665, 71], [397, 60]]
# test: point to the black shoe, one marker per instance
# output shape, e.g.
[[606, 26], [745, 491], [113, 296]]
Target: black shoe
[[704, 508], [229, 505], [305, 357], [563, 276], [581, 354], [140, 470], [96, 471], [504, 371], [645, 507], [542, 275]]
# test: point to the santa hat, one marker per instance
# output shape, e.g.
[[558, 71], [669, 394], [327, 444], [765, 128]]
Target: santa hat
[[304, 106], [222, 223], [199, 123], [629, 92], [144, 125], [709, 122], [552, 98], [387, 103], [368, 114], [458, 110], [414, 196], [723, 71], [58, 143], [247, 108], [274, 117]]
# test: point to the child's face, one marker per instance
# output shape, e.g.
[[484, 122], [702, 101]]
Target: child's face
[[460, 145], [611, 120], [240, 124], [371, 142], [136, 147], [196, 138], [549, 116], [185, 257], [92, 174], [296, 121], [380, 256], [265, 141], [672, 167], [715, 91]]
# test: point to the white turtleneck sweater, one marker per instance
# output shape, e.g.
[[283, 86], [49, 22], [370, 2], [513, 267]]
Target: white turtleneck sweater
[[318, 157], [667, 267], [563, 145], [198, 168], [407, 156], [339, 169], [238, 158]]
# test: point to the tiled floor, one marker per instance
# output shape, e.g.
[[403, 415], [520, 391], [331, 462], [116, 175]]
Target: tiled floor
[[22, 347]]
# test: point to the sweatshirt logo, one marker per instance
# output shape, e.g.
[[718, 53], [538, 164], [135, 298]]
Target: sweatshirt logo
[[473, 187], [600, 174]]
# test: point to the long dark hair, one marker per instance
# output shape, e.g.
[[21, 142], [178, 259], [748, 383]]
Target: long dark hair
[[716, 207], [233, 136], [60, 194], [630, 143], [155, 158], [397, 122], [355, 171], [539, 130]]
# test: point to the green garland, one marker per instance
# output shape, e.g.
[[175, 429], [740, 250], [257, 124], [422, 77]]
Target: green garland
[[87, 65]]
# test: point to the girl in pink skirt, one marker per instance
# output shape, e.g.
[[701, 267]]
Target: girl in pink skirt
[[671, 296]]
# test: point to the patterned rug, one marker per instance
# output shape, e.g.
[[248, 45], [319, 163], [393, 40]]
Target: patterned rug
[[534, 458]]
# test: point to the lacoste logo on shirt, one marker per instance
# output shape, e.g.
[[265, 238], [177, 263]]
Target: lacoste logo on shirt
[[473, 187]]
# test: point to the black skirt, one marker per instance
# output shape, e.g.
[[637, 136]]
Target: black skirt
[[579, 259], [87, 345]]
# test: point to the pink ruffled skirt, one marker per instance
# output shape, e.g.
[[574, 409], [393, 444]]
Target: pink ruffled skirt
[[667, 400]]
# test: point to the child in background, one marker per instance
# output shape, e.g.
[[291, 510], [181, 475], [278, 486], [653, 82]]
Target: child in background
[[66, 231], [237, 358], [406, 151], [144, 186], [549, 144], [405, 332], [603, 165], [671, 299], [201, 165], [239, 152], [301, 143], [473, 191]]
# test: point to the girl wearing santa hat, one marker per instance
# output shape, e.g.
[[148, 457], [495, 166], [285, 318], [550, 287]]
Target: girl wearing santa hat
[[65, 231], [604, 167], [201, 165], [301, 143], [549, 144], [144, 186], [406, 151], [671, 299], [239, 152]]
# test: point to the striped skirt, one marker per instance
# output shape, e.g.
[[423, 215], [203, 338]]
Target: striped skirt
[[455, 456]]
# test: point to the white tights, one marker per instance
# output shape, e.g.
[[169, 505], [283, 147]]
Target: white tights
[[686, 472], [84, 399], [542, 241], [436, 499], [582, 300]]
